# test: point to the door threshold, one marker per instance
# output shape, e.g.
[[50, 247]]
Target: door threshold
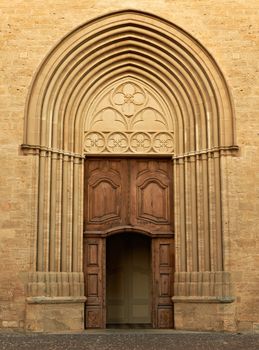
[[130, 331], [129, 326]]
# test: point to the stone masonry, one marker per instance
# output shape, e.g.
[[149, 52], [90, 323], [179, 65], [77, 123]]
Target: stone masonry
[[229, 30]]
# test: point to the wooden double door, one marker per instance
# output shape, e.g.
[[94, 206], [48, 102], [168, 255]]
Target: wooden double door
[[128, 242]]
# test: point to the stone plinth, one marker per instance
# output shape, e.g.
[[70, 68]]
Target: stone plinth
[[55, 314]]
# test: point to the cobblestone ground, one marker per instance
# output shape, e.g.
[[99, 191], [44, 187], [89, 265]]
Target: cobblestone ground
[[129, 341]]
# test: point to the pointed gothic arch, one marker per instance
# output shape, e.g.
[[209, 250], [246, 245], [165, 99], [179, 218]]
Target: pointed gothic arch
[[167, 60]]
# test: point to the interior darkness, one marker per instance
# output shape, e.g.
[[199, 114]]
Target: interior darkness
[[128, 281]]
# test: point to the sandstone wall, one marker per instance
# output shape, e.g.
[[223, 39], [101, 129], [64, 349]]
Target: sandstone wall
[[229, 29]]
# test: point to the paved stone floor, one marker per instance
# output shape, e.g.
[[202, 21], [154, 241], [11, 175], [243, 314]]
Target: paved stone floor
[[129, 340]]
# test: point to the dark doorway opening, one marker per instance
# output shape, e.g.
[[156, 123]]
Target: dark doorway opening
[[128, 281]]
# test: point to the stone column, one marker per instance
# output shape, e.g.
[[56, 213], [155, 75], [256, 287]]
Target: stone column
[[200, 278], [56, 286]]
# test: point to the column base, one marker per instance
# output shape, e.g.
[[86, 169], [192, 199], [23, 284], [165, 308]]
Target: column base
[[210, 315], [55, 314]]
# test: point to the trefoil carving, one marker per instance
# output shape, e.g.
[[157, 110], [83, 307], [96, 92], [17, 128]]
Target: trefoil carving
[[129, 117]]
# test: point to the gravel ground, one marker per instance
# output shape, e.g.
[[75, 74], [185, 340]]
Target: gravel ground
[[129, 341]]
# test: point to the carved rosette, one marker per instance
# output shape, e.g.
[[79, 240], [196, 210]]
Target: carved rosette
[[129, 118], [117, 142], [140, 142], [94, 142], [163, 142]]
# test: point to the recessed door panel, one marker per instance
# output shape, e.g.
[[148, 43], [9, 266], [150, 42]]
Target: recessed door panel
[[94, 268], [163, 259], [151, 195], [106, 188]]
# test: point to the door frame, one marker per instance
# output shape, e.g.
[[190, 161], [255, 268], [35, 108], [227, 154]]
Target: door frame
[[98, 238], [134, 236], [98, 318]]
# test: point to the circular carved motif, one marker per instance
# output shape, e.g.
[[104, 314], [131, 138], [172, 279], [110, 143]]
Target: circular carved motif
[[140, 142], [94, 142], [163, 142], [117, 142], [129, 97]]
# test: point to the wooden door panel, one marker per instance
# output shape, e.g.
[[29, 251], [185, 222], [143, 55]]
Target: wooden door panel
[[106, 209], [163, 265], [151, 194], [152, 198], [128, 193], [165, 317], [94, 276], [105, 192]]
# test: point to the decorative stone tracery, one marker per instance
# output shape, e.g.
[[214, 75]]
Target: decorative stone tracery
[[129, 118], [140, 142], [157, 91]]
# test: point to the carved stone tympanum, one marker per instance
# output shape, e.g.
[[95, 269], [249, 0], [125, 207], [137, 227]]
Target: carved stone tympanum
[[129, 117]]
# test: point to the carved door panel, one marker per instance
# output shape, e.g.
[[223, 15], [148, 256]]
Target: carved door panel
[[151, 194], [105, 192], [94, 268], [136, 192], [163, 267]]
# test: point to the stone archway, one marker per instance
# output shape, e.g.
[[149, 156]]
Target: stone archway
[[168, 63]]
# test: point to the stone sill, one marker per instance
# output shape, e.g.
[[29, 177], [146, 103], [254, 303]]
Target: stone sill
[[55, 300], [203, 299]]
